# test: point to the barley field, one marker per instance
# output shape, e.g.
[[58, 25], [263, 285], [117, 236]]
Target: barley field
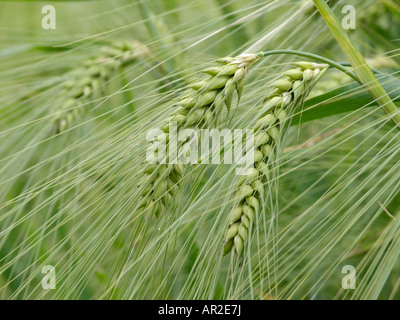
[[112, 185]]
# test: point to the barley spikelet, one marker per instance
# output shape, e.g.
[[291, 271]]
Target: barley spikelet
[[86, 80], [198, 107], [287, 93]]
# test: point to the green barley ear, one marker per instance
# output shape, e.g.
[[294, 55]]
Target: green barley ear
[[84, 82], [198, 107], [287, 93]]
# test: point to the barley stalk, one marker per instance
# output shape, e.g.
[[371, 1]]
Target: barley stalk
[[198, 107], [287, 92], [86, 80]]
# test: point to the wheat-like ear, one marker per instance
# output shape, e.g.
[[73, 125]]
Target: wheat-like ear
[[287, 93], [198, 107], [85, 80]]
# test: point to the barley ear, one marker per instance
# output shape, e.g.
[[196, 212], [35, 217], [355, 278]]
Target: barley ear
[[87, 79], [200, 107], [287, 93]]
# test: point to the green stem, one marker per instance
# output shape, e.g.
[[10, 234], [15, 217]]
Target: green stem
[[361, 68], [314, 57], [347, 64]]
